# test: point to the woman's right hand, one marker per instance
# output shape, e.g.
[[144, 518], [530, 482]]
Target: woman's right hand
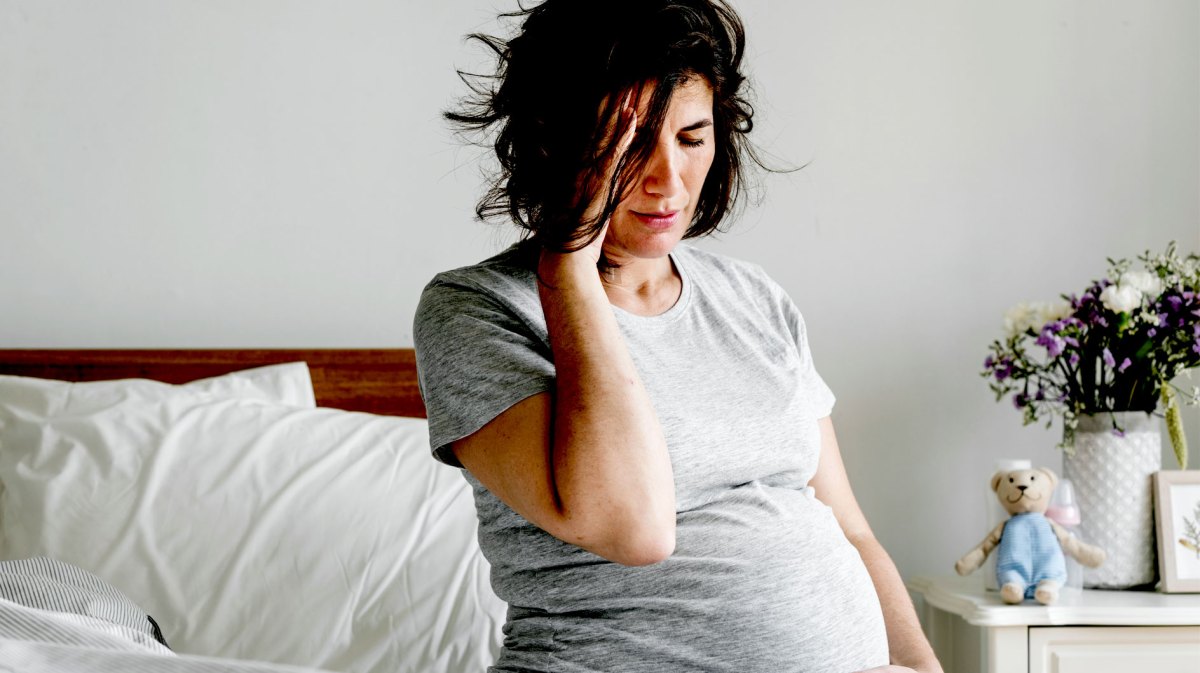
[[587, 462], [595, 194]]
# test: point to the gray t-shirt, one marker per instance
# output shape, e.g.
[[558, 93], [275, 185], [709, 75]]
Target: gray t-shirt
[[762, 579]]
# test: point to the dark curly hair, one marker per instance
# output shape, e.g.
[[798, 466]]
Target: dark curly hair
[[572, 58]]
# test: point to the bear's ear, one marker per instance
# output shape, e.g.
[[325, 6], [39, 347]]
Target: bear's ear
[[1049, 473], [996, 480]]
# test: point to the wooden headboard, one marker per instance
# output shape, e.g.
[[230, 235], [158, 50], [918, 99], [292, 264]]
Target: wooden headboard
[[378, 381]]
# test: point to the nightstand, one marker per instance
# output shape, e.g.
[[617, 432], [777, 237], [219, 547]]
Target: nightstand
[[973, 631]]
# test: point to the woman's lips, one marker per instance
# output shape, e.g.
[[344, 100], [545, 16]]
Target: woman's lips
[[658, 220]]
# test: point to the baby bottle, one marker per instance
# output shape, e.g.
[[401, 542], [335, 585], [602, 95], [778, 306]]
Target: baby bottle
[[997, 515], [1064, 510]]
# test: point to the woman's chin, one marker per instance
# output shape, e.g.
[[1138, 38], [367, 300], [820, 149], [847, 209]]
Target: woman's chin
[[654, 247], [640, 242]]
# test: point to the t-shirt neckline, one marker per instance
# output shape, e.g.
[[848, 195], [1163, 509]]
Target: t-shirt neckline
[[677, 309]]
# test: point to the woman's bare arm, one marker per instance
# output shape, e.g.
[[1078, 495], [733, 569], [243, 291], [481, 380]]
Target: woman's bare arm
[[589, 465], [907, 645]]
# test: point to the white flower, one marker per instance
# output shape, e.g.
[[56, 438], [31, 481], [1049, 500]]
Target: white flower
[[1055, 310], [1149, 316], [1121, 298], [1142, 281], [1033, 315], [1019, 318]]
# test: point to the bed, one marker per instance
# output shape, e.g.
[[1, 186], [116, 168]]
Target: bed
[[232, 510]]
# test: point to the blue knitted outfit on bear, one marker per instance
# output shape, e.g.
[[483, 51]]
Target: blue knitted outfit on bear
[[1029, 552]]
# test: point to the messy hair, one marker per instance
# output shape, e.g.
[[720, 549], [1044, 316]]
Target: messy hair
[[570, 60]]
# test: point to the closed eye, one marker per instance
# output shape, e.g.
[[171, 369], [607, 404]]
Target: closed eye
[[688, 141]]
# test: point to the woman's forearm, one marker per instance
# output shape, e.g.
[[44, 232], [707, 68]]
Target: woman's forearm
[[907, 645], [610, 462]]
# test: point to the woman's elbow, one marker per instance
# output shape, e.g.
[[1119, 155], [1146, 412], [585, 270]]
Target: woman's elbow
[[649, 553], [641, 545], [622, 530]]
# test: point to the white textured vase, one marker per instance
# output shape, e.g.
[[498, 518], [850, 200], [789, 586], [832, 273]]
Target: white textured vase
[[1112, 476]]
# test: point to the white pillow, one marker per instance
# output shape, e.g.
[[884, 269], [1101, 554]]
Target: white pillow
[[251, 529], [287, 383]]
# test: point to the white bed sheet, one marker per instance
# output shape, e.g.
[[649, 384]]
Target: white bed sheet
[[41, 657], [250, 529], [43, 641]]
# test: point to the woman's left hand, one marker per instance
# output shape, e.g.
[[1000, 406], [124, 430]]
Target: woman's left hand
[[895, 669]]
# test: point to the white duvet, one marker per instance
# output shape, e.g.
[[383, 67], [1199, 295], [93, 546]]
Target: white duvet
[[57, 618], [38, 641], [29, 657], [249, 529]]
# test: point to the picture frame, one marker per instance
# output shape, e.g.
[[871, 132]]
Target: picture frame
[[1177, 518]]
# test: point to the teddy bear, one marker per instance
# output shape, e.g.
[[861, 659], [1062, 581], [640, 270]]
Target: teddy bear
[[1029, 556]]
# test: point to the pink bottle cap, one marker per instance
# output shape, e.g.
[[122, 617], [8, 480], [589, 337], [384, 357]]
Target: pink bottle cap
[[1063, 509]]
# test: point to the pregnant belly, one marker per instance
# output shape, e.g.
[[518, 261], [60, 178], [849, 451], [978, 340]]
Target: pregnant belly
[[761, 581]]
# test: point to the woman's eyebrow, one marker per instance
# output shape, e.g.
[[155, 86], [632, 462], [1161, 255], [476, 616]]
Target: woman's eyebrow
[[696, 125]]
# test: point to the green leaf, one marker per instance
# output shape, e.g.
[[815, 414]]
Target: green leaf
[[1145, 348], [1175, 425]]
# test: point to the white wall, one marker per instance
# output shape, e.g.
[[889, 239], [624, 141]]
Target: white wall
[[234, 174]]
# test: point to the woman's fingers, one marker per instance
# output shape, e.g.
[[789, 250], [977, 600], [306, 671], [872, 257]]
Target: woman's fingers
[[628, 113], [627, 139], [624, 122]]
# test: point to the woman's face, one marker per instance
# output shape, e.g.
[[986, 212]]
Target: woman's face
[[652, 219]]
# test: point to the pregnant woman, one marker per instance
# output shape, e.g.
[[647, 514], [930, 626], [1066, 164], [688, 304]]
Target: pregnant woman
[[656, 474]]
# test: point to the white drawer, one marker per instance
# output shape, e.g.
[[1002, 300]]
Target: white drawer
[[1115, 649]]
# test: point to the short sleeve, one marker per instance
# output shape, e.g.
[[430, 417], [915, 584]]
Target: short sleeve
[[475, 359], [813, 385]]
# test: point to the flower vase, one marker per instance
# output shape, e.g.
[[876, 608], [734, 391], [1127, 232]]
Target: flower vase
[[1112, 477]]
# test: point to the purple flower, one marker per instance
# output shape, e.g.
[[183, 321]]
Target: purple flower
[[1108, 358], [1020, 400], [1006, 368], [1175, 310], [1073, 359], [989, 362], [1072, 342], [1054, 344], [1152, 332], [1124, 365], [1119, 433]]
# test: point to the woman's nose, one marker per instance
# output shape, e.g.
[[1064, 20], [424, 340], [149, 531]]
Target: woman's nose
[[662, 177]]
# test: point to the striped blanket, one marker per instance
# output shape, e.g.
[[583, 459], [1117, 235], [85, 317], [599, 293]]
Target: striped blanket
[[57, 618]]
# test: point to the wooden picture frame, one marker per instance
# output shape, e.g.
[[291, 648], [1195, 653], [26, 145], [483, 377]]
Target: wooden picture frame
[[1177, 518]]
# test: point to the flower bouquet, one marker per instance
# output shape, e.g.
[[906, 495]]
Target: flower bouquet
[[1115, 348]]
